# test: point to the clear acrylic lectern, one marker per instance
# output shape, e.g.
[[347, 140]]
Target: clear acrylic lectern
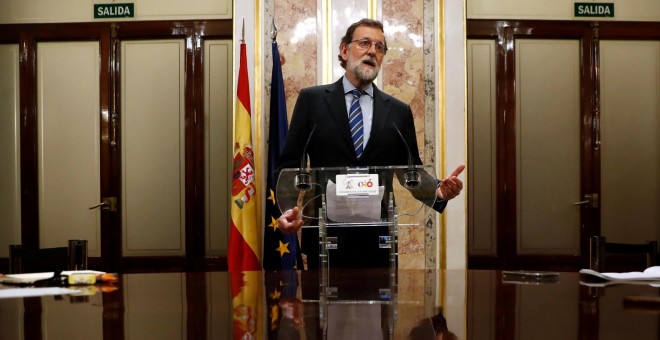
[[385, 197], [352, 197]]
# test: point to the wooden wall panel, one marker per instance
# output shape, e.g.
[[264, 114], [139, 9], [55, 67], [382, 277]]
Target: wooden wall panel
[[152, 118]]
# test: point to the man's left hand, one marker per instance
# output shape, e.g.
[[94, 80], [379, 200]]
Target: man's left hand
[[451, 186]]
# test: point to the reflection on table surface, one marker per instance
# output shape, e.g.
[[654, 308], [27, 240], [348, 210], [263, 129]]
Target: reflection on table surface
[[354, 304]]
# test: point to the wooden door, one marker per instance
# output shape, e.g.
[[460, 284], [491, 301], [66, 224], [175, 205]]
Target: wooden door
[[68, 147], [10, 203], [54, 155], [531, 159], [630, 139], [173, 103], [114, 113], [153, 147], [563, 139]]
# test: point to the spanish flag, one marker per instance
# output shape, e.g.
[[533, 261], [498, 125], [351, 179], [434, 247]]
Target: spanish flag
[[247, 290], [245, 232], [244, 236]]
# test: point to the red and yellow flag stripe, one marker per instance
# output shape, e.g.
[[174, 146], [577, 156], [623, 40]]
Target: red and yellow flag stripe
[[245, 232]]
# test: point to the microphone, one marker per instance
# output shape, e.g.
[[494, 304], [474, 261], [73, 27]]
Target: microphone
[[411, 176], [303, 180]]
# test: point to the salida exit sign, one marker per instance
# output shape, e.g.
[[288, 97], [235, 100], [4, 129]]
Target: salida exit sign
[[105, 11], [594, 9]]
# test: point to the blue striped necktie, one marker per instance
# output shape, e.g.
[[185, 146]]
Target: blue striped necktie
[[355, 122]]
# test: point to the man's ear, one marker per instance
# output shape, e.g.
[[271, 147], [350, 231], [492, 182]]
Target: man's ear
[[343, 51]]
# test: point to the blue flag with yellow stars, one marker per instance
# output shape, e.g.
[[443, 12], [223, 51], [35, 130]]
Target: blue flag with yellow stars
[[285, 308], [280, 251]]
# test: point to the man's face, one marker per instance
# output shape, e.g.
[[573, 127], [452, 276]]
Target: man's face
[[363, 64]]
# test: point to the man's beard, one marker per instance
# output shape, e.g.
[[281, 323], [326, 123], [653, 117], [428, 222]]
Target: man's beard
[[364, 73]]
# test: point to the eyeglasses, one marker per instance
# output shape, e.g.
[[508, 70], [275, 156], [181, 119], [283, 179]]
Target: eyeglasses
[[366, 44]]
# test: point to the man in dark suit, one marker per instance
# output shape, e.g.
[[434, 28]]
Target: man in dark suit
[[341, 140]]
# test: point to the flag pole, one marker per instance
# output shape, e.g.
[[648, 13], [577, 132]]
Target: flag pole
[[273, 31], [243, 32]]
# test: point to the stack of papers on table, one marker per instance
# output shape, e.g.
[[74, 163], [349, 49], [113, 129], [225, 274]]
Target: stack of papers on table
[[30, 278], [650, 276], [28, 281]]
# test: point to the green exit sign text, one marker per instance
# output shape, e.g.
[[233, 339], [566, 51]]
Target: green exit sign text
[[105, 11], [594, 9]]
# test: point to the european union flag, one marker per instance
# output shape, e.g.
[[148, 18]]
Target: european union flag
[[280, 250]]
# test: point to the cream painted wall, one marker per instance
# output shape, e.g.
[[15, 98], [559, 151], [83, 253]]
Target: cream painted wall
[[455, 139], [42, 11], [624, 10]]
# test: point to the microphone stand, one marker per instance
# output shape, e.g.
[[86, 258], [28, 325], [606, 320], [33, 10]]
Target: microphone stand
[[411, 176]]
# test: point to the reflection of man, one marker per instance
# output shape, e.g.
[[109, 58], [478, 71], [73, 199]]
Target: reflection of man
[[291, 321], [354, 123], [285, 309], [434, 328]]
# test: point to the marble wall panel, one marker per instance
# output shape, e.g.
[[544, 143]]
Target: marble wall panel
[[403, 67], [404, 78], [298, 40]]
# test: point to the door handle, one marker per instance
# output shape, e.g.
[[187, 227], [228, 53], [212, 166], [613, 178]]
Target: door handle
[[103, 204], [590, 200], [107, 204]]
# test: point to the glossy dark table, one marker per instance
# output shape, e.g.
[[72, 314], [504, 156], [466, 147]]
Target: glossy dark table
[[364, 304]]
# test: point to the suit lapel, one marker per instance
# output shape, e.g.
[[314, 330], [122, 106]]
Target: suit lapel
[[336, 101], [380, 117]]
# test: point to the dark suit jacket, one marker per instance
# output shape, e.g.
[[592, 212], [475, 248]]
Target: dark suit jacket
[[331, 145]]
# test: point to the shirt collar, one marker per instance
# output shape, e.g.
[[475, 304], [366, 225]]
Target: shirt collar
[[348, 87]]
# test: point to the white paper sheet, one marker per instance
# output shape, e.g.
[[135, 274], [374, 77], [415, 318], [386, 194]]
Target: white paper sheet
[[6, 293], [650, 274], [353, 208]]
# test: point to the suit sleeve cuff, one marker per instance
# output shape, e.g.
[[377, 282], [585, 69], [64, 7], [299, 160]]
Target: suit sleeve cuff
[[439, 205]]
